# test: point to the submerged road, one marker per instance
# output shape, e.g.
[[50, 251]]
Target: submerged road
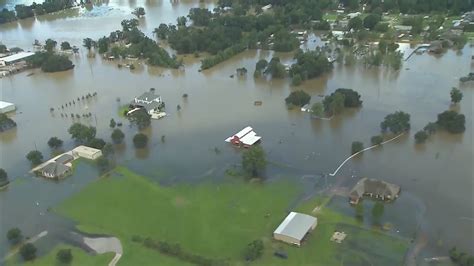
[[31, 240], [366, 149]]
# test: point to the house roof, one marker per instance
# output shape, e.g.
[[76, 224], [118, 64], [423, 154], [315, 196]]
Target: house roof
[[296, 225], [55, 169], [5, 104], [65, 158], [374, 186], [147, 96]]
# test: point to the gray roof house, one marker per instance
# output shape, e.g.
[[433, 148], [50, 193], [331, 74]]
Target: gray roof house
[[373, 188], [148, 100], [64, 159], [55, 170], [295, 227]]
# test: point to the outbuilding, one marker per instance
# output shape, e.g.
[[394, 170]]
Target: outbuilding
[[295, 227], [6, 107], [86, 152], [11, 59]]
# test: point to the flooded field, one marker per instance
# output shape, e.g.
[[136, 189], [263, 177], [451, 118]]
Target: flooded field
[[436, 178]]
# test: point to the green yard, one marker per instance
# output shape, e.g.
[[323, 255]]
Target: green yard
[[218, 221]]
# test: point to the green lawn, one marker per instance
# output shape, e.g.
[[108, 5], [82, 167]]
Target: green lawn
[[80, 258], [218, 221]]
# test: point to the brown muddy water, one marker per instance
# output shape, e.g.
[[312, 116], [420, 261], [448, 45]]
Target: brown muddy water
[[436, 178]]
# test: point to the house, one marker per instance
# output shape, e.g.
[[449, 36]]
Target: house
[[266, 8], [64, 158], [246, 138], [6, 107], [86, 152], [55, 170], [149, 101], [295, 227], [374, 188], [353, 15], [11, 59]]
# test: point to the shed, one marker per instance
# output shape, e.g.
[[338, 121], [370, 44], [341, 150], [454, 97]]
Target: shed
[[6, 107], [64, 159], [7, 60], [55, 170], [295, 227], [86, 152]]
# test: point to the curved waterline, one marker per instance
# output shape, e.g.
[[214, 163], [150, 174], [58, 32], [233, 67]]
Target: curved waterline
[[366, 149]]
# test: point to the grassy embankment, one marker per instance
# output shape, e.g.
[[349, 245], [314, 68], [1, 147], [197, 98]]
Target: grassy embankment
[[218, 221]]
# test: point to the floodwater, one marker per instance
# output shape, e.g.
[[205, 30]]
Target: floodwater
[[436, 178]]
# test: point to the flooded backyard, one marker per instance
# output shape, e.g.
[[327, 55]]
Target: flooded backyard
[[436, 178]]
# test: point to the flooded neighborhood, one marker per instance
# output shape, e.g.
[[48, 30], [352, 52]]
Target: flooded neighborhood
[[419, 196]]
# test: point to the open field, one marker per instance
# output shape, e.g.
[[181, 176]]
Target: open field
[[80, 258], [218, 221]]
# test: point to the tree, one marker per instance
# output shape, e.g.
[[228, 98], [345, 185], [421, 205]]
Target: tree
[[356, 147], [96, 143], [421, 136], [254, 250], [65, 46], [334, 103], [371, 20], [50, 44], [140, 140], [351, 97], [55, 143], [14, 236], [103, 163], [452, 122], [317, 109], [355, 24], [82, 133], [35, 157], [139, 12], [117, 136], [162, 31], [141, 118], [275, 68], [431, 128], [64, 256], [253, 161], [112, 123], [88, 43], [397, 122], [200, 16], [182, 21], [296, 80], [56, 63], [456, 95], [376, 140], [298, 98], [28, 251], [103, 44]]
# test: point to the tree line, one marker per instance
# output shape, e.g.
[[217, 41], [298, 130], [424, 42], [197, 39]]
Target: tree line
[[26, 11]]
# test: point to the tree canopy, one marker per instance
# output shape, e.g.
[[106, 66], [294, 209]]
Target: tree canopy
[[82, 133], [117, 136], [254, 250], [310, 64], [356, 147], [28, 251], [421, 136], [452, 122], [55, 143], [334, 103], [35, 157], [64, 256], [456, 95], [141, 118], [298, 98], [14, 236], [396, 122]]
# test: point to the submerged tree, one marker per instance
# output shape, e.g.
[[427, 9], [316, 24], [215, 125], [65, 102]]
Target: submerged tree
[[356, 147], [421, 136], [35, 157], [140, 140], [253, 161], [64, 256], [298, 98], [456, 95], [55, 143], [28, 251], [397, 122], [14, 236], [117, 136]]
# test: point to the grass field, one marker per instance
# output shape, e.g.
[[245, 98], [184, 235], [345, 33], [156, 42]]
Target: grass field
[[80, 258], [218, 221]]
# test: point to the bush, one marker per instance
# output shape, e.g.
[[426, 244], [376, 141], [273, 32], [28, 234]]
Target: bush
[[140, 140], [64, 256], [421, 136], [253, 250], [28, 251], [14, 236], [376, 140], [253, 161], [357, 146], [298, 98]]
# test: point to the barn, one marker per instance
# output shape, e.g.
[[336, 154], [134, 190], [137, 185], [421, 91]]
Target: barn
[[295, 227]]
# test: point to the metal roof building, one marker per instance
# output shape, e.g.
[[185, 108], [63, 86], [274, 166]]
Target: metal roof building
[[294, 228], [6, 107], [15, 58]]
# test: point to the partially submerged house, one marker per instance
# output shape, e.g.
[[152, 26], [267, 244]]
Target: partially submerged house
[[374, 188], [149, 101], [246, 138], [55, 170], [295, 227]]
